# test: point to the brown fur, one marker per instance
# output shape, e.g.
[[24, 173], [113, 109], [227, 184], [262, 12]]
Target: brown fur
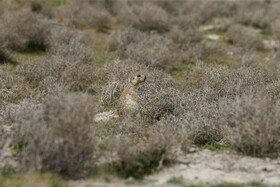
[[129, 99]]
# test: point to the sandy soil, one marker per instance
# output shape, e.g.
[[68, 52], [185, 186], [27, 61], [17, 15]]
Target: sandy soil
[[207, 167]]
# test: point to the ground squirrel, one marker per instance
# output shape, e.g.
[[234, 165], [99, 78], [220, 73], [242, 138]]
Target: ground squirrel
[[129, 100]]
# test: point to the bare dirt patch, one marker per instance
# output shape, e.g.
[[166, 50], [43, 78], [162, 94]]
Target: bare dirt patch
[[205, 166]]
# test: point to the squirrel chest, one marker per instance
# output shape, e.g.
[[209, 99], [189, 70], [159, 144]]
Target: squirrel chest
[[129, 99]]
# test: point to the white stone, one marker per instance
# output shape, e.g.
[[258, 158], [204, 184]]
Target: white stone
[[213, 36], [271, 44], [105, 116]]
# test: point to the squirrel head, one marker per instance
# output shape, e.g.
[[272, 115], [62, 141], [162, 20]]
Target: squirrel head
[[138, 79]]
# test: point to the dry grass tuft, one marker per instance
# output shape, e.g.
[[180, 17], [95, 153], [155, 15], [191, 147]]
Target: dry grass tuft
[[24, 29], [57, 135], [275, 27], [273, 64], [70, 62], [210, 10], [3, 136], [75, 76], [208, 90], [118, 41], [149, 49], [84, 14], [142, 150], [202, 50], [255, 125], [13, 88], [185, 38], [244, 37], [223, 82], [5, 55], [253, 13], [145, 17], [70, 44]]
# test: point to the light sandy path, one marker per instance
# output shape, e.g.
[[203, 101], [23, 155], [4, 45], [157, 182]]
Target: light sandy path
[[207, 167]]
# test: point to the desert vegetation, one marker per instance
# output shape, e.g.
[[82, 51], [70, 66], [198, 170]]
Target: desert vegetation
[[212, 79]]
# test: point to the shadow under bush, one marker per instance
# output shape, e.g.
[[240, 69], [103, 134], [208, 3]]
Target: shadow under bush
[[22, 27]]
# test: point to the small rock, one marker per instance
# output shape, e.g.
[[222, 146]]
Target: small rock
[[105, 116], [213, 36], [192, 150], [7, 128], [271, 44]]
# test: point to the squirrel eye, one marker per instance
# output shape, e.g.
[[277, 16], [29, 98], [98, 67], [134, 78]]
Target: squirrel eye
[[138, 75]]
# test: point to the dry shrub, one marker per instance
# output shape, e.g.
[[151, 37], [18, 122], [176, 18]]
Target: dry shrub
[[145, 149], [2, 136], [75, 75], [273, 65], [83, 14], [6, 6], [159, 94], [118, 41], [16, 92], [70, 44], [244, 38], [5, 55], [160, 99], [261, 14], [253, 13], [249, 58], [275, 27], [13, 88], [170, 6], [23, 29], [186, 22], [255, 125], [202, 50], [187, 15], [208, 91], [193, 13], [199, 121], [145, 17], [70, 62], [149, 49], [222, 24], [152, 51], [42, 7], [210, 10], [57, 135], [222, 82], [184, 38]]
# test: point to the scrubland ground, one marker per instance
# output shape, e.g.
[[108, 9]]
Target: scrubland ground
[[210, 106]]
